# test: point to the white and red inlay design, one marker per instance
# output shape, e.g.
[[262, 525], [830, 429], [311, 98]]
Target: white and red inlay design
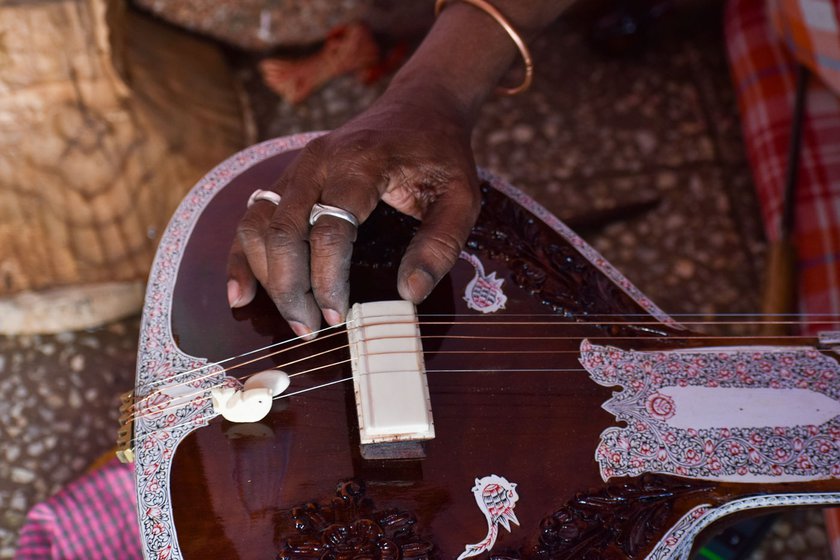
[[735, 414], [484, 292], [173, 389], [178, 385], [679, 540], [496, 498]]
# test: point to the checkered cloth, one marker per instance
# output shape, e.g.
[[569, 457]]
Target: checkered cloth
[[764, 74], [92, 519], [764, 41], [810, 31]]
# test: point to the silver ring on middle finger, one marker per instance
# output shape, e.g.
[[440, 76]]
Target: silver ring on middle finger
[[319, 210]]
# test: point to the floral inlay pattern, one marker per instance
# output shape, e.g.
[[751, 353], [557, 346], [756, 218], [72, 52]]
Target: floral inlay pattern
[[758, 453], [168, 415]]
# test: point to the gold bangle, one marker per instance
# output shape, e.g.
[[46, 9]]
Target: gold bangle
[[490, 10]]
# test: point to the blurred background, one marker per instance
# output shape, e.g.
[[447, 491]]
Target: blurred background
[[110, 110]]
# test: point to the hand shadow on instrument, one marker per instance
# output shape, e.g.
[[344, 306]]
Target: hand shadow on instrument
[[264, 317]]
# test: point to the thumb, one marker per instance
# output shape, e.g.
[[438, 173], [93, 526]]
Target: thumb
[[447, 223]]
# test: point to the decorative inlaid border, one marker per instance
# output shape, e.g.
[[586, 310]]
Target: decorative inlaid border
[[163, 422], [727, 452], [677, 543]]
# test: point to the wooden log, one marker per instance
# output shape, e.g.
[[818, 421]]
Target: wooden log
[[106, 119]]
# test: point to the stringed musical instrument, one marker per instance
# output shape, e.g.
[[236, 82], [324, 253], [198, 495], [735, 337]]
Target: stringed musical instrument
[[571, 417]]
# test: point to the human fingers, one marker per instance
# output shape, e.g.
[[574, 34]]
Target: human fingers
[[352, 196], [331, 244], [287, 278], [434, 249], [247, 258]]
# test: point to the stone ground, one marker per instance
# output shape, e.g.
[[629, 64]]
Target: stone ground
[[641, 152]]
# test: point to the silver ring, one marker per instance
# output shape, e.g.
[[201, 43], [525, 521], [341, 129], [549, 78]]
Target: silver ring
[[268, 196], [326, 210]]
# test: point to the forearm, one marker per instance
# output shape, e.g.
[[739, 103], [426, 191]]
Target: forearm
[[411, 149], [467, 52]]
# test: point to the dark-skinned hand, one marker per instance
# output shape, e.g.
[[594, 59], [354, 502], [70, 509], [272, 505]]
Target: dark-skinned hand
[[411, 152]]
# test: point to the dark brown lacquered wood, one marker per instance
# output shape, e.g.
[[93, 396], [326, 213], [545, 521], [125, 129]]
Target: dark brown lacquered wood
[[237, 490]]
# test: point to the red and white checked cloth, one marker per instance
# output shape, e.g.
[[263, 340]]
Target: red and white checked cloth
[[764, 74], [94, 518], [810, 31], [764, 40]]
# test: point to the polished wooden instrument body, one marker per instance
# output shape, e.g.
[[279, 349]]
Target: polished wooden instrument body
[[509, 396]]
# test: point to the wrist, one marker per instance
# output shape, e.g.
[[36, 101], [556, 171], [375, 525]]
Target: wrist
[[463, 58]]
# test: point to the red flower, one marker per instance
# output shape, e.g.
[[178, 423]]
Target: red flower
[[660, 406], [692, 456]]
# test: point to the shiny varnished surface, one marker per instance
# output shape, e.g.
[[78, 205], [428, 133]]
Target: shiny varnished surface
[[234, 487]]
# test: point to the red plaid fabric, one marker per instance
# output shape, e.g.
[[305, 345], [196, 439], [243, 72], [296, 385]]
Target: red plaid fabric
[[92, 519], [764, 75], [760, 38], [810, 31]]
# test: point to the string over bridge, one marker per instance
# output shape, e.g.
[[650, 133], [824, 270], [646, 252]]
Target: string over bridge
[[389, 379]]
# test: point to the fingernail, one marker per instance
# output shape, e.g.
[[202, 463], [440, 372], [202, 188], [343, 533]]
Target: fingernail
[[420, 283], [332, 317], [302, 330], [233, 293]]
